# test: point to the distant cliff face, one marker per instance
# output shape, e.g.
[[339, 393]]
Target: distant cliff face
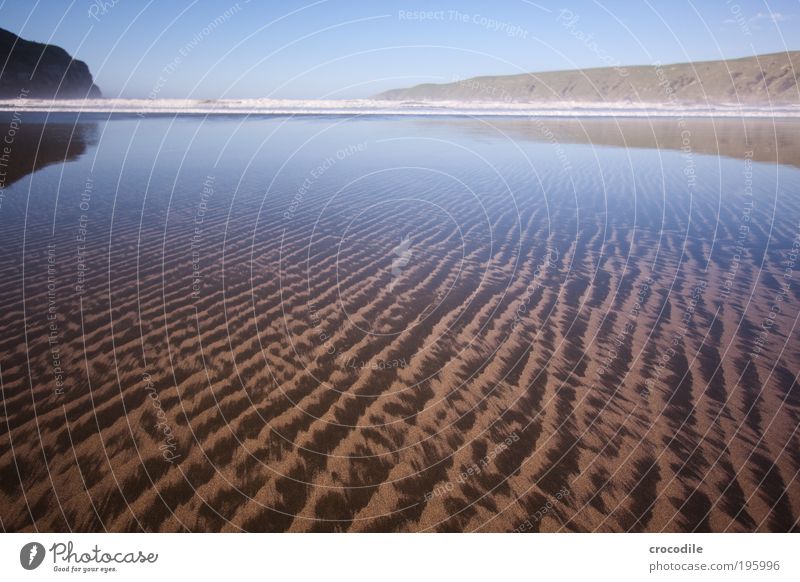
[[45, 71], [760, 80]]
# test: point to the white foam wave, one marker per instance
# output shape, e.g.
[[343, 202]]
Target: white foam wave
[[376, 107]]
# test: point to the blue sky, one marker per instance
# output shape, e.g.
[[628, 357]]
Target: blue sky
[[347, 48]]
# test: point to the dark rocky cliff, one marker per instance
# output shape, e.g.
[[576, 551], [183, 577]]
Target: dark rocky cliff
[[45, 71]]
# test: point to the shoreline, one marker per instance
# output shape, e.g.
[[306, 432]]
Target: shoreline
[[366, 107]]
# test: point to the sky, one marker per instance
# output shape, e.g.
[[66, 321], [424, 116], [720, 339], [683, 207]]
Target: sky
[[303, 49]]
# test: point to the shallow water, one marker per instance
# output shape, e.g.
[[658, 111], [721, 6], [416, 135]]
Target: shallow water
[[331, 323]]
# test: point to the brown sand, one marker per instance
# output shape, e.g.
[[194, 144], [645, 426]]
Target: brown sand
[[560, 419]]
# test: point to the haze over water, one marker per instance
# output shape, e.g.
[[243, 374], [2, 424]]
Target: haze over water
[[391, 324]]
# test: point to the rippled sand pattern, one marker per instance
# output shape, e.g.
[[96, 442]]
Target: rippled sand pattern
[[327, 325]]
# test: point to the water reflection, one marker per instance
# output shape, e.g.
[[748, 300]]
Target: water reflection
[[769, 140], [30, 146]]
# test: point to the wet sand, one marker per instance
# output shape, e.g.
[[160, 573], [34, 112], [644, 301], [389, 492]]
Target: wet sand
[[419, 341]]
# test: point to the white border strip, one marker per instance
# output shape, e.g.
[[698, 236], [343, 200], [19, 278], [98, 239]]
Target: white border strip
[[401, 557]]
